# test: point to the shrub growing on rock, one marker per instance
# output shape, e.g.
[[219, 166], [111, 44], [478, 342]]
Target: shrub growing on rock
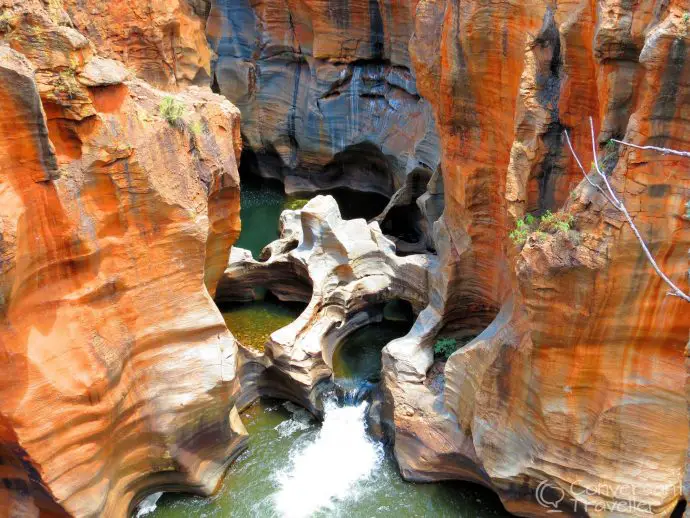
[[548, 223], [296, 204], [444, 347]]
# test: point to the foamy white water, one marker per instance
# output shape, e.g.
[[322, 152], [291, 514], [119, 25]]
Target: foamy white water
[[328, 468]]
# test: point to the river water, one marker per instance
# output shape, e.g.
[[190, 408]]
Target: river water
[[295, 466]]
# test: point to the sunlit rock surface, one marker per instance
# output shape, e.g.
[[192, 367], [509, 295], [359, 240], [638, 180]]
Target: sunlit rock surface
[[579, 380], [162, 41], [326, 90], [345, 270], [577, 375], [117, 370]]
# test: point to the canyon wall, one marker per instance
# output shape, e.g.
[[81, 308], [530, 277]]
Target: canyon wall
[[115, 227], [162, 41], [577, 378], [118, 372], [326, 90]]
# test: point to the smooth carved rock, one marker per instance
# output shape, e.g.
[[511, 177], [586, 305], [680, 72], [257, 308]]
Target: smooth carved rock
[[118, 373], [313, 79], [162, 41], [353, 271], [578, 380]]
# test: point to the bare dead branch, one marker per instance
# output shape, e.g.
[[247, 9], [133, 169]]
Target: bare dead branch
[[663, 150], [584, 172], [620, 206]]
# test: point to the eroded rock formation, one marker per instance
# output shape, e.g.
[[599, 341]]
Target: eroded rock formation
[[162, 41], [346, 271], [118, 373], [326, 90], [578, 381], [111, 221]]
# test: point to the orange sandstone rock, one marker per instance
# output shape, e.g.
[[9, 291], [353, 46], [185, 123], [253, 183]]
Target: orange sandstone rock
[[162, 41], [579, 381], [118, 373]]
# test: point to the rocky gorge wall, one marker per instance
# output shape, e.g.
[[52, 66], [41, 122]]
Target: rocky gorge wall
[[326, 90], [577, 376], [579, 380], [118, 372]]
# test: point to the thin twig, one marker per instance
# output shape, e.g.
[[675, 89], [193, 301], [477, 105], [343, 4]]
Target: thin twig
[[663, 150], [619, 205], [584, 172]]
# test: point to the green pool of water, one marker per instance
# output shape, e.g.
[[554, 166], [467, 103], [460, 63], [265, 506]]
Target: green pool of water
[[253, 323], [261, 202], [359, 358]]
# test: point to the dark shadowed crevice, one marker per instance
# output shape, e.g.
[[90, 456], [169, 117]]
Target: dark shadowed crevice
[[376, 29], [680, 508], [548, 52], [360, 167]]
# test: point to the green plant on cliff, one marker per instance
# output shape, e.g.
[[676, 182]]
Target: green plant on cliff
[[551, 223], [196, 128], [548, 223], [521, 233], [171, 110], [608, 192], [5, 21], [444, 347], [66, 84]]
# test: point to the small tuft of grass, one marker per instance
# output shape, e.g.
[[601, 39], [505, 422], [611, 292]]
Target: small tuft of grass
[[171, 110], [554, 223], [196, 129], [6, 21], [67, 85], [522, 231]]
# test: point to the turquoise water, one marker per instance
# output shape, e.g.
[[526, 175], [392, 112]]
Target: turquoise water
[[261, 202], [359, 357]]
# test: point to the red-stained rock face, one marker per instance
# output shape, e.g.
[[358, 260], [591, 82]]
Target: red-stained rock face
[[112, 221], [163, 41], [580, 380], [118, 373]]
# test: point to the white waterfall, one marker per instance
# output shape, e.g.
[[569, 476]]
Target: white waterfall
[[329, 467]]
